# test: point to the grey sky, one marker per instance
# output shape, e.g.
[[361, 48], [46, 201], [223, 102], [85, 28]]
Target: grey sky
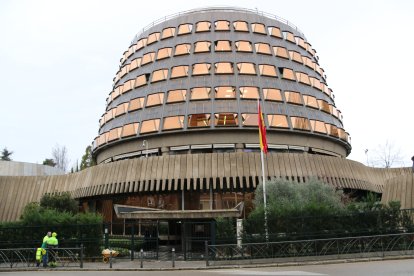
[[58, 59]]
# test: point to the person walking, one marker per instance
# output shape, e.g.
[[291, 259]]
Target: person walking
[[52, 244]]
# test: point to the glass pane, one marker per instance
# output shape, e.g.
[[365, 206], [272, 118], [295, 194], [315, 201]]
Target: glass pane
[[310, 101], [246, 68], [199, 120], [200, 93], [185, 29], [318, 126], [289, 37], [159, 75], [303, 78], [332, 130], [274, 31], [280, 52], [130, 130], [222, 25], [168, 32], [300, 123], [148, 58], [203, 26], [222, 46], [155, 99], [293, 97], [278, 121], [324, 106], [128, 85], [225, 92], [267, 70], [295, 56], [141, 43], [153, 38], [135, 63], [175, 96], [136, 104], [121, 109], [263, 48], [249, 119], [201, 69], [258, 28], [141, 80], [202, 46], [300, 42], [164, 53], [226, 119], [224, 68], [150, 126], [240, 26], [248, 92], [287, 73], [244, 46], [179, 71], [182, 49], [175, 122], [315, 83], [272, 94], [109, 115], [114, 134]]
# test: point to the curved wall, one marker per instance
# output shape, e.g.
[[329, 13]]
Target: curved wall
[[189, 172], [400, 188], [202, 72]]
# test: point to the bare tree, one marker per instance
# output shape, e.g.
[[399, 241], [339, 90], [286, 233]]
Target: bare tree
[[387, 155], [60, 156]]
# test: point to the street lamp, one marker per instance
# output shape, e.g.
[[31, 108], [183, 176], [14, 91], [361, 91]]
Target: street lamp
[[145, 144]]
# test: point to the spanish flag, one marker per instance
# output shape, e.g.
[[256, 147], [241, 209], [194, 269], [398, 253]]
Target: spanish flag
[[262, 129]]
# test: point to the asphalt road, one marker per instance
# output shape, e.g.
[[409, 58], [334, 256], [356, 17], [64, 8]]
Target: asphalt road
[[377, 268]]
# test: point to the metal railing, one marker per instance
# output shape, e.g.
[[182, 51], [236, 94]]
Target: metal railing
[[26, 257], [336, 248], [218, 8]]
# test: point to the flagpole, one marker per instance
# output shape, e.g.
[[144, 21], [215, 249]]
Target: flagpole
[[264, 197], [263, 148]]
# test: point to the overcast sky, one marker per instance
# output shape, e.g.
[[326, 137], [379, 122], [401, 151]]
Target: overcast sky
[[58, 59]]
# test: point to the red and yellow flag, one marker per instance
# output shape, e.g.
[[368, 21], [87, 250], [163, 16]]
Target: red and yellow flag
[[262, 129]]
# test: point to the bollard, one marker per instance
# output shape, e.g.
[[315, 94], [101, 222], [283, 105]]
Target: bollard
[[110, 258], [173, 257], [141, 256], [81, 256], [206, 252]]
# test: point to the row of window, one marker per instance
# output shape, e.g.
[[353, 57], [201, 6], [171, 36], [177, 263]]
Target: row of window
[[219, 92], [219, 25], [219, 46], [278, 121], [218, 68]]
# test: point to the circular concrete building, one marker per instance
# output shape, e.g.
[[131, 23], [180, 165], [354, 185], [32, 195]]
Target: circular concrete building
[[178, 142], [190, 84]]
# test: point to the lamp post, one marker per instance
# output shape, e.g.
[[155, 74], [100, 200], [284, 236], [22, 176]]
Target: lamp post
[[145, 144]]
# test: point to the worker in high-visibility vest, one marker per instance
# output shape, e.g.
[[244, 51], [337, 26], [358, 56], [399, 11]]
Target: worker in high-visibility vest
[[44, 246], [52, 244], [40, 252]]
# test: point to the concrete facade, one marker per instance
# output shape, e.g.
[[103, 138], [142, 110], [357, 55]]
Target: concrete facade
[[180, 127]]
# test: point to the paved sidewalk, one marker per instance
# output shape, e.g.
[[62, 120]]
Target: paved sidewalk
[[153, 265]]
